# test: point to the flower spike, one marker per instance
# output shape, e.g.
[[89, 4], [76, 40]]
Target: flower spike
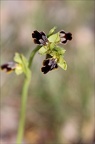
[[50, 47]]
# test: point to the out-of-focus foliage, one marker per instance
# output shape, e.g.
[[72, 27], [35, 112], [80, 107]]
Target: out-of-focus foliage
[[60, 107]]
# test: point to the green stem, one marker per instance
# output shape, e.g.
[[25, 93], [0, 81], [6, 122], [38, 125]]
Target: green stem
[[24, 99], [32, 55], [23, 110]]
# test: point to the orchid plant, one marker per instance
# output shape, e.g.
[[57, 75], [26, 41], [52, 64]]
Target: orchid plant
[[47, 45]]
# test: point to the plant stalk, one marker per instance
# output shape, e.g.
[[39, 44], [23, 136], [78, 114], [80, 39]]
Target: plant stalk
[[24, 99], [23, 110], [32, 55]]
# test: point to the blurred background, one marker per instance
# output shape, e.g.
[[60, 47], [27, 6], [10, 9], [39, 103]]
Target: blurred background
[[60, 106]]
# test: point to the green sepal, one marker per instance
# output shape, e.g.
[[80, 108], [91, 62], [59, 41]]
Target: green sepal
[[62, 63], [43, 50], [52, 31], [53, 54], [18, 69], [54, 38], [57, 52], [51, 46], [22, 64], [60, 50]]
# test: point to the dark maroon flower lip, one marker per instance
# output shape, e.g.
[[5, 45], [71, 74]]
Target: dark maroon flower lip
[[10, 66], [48, 65], [39, 38], [64, 37]]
